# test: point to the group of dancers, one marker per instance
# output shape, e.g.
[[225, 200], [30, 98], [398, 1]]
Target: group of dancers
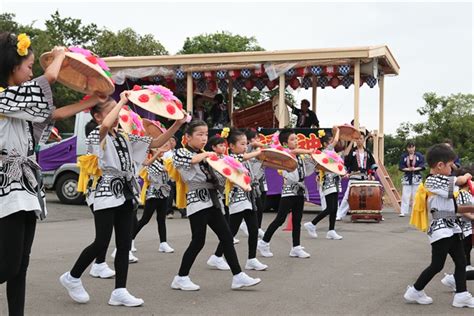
[[27, 115]]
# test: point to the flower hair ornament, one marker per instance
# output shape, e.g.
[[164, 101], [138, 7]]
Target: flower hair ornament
[[23, 44], [321, 133], [225, 132]]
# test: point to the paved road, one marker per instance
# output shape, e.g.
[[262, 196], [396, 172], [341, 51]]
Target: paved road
[[366, 273]]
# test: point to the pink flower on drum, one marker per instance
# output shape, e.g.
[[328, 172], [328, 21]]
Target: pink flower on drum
[[163, 92]]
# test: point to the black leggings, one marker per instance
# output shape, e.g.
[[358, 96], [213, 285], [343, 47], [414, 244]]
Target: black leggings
[[250, 218], [152, 205], [294, 204], [260, 207], [120, 219], [17, 232], [439, 251], [331, 210], [103, 252], [467, 249], [216, 221]]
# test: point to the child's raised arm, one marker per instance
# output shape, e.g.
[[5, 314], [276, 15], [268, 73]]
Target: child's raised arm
[[163, 138], [110, 119], [200, 157], [51, 73], [252, 154]]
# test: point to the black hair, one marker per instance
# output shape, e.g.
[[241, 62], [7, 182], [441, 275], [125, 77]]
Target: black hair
[[284, 135], [463, 170], [448, 141], [99, 107], [9, 58], [410, 143], [214, 141], [439, 153], [191, 126], [251, 133], [326, 138], [219, 98], [234, 135], [90, 126], [305, 101]]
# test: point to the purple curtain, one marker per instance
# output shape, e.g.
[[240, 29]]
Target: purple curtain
[[55, 156]]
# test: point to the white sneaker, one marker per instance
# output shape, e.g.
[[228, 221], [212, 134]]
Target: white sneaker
[[131, 257], [122, 297], [74, 288], [449, 281], [101, 270], [264, 249], [401, 215], [338, 219], [254, 264], [243, 228], [463, 299], [236, 241], [165, 247], [469, 267], [261, 233], [311, 228], [413, 296], [299, 252], [184, 284], [333, 235], [243, 280], [133, 249], [218, 262]]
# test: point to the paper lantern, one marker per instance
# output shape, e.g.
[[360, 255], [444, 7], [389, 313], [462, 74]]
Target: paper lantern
[[221, 74], [180, 75], [316, 70], [260, 84], [249, 84], [371, 81], [307, 82], [334, 82], [196, 75], [347, 81], [246, 73], [290, 72], [323, 82], [343, 69], [294, 83]]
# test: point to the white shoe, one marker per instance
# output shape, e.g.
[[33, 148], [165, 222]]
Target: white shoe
[[122, 297], [413, 296], [243, 280], [264, 249], [165, 247], [311, 228], [338, 218], [184, 284], [333, 235], [170, 216], [469, 267], [243, 228], [449, 281], [299, 252], [218, 262], [131, 257], [254, 264], [133, 249], [261, 233], [236, 241], [401, 215], [463, 299], [101, 270], [74, 288]]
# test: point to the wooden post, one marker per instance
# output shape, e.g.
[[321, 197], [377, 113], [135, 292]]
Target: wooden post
[[281, 102], [189, 92], [230, 104], [376, 145], [314, 100], [356, 93], [381, 146]]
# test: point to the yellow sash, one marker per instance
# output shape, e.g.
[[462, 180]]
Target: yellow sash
[[146, 183], [88, 167], [181, 186], [228, 187]]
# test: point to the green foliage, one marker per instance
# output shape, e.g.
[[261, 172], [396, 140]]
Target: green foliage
[[219, 42], [71, 32]]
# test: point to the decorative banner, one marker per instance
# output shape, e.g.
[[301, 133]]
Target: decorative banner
[[371, 81], [223, 85], [170, 84], [300, 71], [307, 82], [221, 74], [259, 72], [323, 82], [249, 84], [271, 84], [208, 75], [246, 73], [260, 84], [347, 81], [294, 83], [344, 69], [212, 86], [316, 70], [180, 75], [196, 75], [180, 85], [329, 70], [239, 84], [234, 74], [156, 79], [201, 85], [334, 82], [290, 72]]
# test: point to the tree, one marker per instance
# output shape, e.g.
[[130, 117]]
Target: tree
[[219, 42], [127, 43]]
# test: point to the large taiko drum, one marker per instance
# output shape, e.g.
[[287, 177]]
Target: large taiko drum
[[365, 196]]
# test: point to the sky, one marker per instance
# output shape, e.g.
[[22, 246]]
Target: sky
[[431, 41]]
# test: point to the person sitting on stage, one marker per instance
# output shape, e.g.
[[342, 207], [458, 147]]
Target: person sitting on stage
[[360, 164], [306, 117], [219, 113]]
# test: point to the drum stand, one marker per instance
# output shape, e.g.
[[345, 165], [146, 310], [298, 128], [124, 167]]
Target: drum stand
[[366, 215]]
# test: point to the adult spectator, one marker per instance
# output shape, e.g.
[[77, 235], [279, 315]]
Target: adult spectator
[[306, 117]]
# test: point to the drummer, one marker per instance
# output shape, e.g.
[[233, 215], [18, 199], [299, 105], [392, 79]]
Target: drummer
[[360, 164]]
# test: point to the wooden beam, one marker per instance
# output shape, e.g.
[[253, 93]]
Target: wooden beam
[[314, 101], [230, 104], [381, 117], [281, 102], [356, 93], [189, 93]]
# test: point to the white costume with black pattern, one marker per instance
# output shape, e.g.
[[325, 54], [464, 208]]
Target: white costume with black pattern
[[465, 198], [293, 182], [25, 121], [444, 223], [239, 199], [158, 177]]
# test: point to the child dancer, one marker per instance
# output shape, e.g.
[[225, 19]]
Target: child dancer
[[445, 232], [113, 200], [241, 203], [203, 208], [329, 188], [156, 196], [292, 197]]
